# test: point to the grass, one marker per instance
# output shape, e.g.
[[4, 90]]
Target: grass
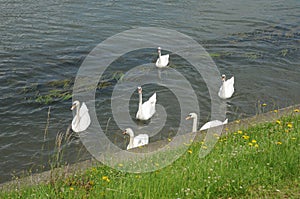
[[259, 162]]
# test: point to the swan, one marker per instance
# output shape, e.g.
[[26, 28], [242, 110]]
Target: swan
[[227, 89], [81, 120], [147, 109], [163, 60], [207, 125], [139, 140]]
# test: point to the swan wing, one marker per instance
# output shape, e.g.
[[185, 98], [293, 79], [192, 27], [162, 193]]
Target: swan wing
[[211, 124], [148, 109], [230, 81], [149, 106], [83, 109], [152, 99], [227, 89], [163, 61], [140, 140], [84, 120]]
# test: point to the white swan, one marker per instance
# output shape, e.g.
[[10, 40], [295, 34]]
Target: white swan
[[147, 109], [136, 141], [207, 125], [163, 60], [227, 88], [81, 120]]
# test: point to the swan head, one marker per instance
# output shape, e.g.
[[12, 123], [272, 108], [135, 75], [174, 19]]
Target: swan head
[[75, 104], [223, 78], [140, 89], [191, 116], [129, 132], [158, 49]]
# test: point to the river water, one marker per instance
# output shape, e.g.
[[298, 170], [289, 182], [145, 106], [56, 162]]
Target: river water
[[43, 44]]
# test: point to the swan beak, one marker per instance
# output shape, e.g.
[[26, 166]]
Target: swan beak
[[188, 117], [72, 107], [223, 78], [124, 132], [139, 89]]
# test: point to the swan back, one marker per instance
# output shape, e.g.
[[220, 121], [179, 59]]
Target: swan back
[[227, 88], [212, 124]]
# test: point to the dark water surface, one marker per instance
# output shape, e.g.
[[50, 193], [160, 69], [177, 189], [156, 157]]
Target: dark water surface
[[43, 44]]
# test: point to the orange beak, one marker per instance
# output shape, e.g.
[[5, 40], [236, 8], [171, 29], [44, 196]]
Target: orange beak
[[72, 107], [188, 117]]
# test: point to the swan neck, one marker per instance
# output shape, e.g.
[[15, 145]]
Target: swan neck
[[140, 100], [223, 88], [131, 138], [77, 109], [77, 113], [195, 119], [131, 141]]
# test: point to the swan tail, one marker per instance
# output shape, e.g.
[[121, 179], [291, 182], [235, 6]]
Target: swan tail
[[225, 121]]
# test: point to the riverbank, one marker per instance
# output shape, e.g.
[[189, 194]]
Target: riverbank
[[254, 156]]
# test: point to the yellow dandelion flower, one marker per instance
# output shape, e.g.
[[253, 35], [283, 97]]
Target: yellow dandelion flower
[[237, 121], [278, 122], [275, 111], [204, 147], [190, 151], [240, 132], [71, 189], [246, 137], [296, 110], [293, 138], [105, 178], [256, 145], [250, 144], [121, 165], [286, 130], [226, 129], [169, 139], [290, 125], [264, 104], [253, 141], [279, 143]]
